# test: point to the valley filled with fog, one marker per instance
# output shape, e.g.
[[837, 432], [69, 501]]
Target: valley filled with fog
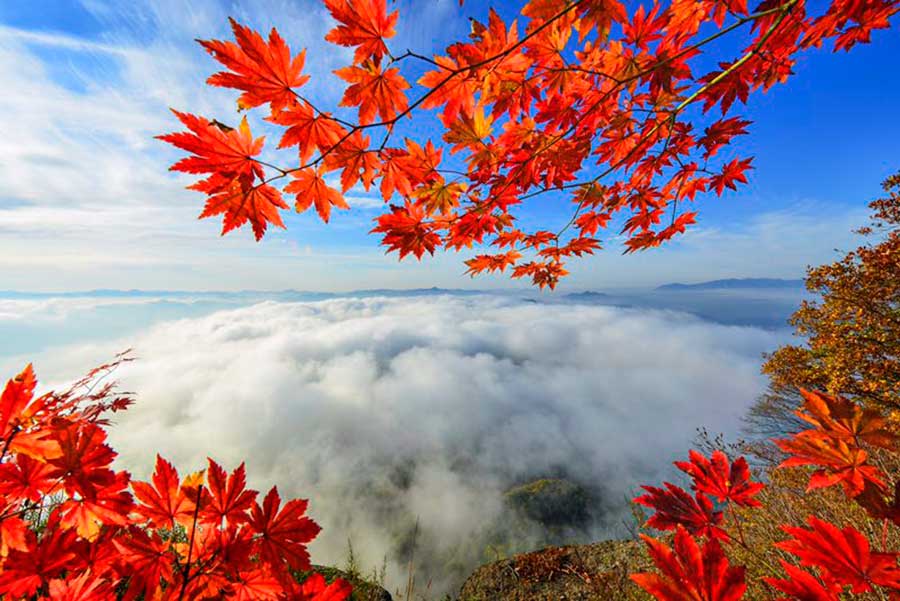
[[389, 409]]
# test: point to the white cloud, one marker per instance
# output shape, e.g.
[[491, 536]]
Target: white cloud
[[85, 196], [384, 410]]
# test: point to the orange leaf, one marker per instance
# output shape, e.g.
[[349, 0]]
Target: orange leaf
[[356, 159], [440, 196], [86, 587], [843, 419], [307, 130], [839, 462], [241, 203], [450, 87], [227, 153], [364, 24], [18, 410], [406, 231], [374, 90], [491, 263], [469, 131], [309, 186], [265, 72]]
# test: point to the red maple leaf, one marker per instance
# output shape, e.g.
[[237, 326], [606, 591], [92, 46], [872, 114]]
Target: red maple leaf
[[542, 273], [256, 584], [394, 174], [26, 479], [691, 573], [163, 502], [731, 174], [719, 480], [24, 571], [491, 263], [317, 589], [839, 462], [720, 133], [83, 464], [227, 155], [86, 587], [801, 585], [108, 504], [844, 554], [644, 28], [283, 533], [265, 72], [675, 507], [451, 88], [228, 498], [14, 534], [592, 221], [148, 560], [404, 169]]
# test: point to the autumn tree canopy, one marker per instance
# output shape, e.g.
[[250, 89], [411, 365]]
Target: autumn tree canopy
[[852, 332], [626, 115]]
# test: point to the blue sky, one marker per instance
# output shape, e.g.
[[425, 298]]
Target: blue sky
[[86, 201]]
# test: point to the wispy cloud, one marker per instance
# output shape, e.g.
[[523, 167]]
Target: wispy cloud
[[85, 191]]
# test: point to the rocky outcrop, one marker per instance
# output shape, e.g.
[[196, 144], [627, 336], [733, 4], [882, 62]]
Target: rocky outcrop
[[594, 572], [551, 502]]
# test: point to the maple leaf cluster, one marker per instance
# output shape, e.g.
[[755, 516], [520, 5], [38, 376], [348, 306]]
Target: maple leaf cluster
[[714, 480], [836, 447], [582, 102], [72, 528]]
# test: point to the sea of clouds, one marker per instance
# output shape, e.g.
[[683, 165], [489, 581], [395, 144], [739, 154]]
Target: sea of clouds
[[388, 411]]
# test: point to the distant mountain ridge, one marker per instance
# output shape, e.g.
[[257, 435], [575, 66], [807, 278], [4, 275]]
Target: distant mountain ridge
[[587, 295], [735, 283], [308, 295]]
